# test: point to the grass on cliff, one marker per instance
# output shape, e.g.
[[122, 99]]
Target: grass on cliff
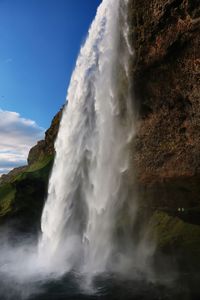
[[7, 195], [40, 164], [174, 236], [39, 169], [25, 188]]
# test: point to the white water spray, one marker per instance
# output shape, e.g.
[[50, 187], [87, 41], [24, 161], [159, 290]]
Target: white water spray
[[86, 186]]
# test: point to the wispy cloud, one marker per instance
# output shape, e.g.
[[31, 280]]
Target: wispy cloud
[[8, 60], [17, 136]]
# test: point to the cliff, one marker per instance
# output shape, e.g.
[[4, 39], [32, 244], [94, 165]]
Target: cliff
[[166, 38], [165, 35], [46, 147], [23, 190], [166, 74]]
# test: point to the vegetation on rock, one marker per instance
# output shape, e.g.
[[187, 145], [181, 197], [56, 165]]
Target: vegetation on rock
[[23, 190], [176, 238]]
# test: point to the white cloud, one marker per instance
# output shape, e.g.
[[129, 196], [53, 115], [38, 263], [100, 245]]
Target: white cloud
[[17, 136]]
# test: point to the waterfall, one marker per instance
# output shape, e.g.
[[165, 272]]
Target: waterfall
[[88, 187]]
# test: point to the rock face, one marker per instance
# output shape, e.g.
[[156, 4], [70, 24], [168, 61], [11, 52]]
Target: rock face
[[5, 178], [46, 146], [166, 38]]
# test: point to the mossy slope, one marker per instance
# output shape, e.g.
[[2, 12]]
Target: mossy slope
[[177, 239], [22, 199]]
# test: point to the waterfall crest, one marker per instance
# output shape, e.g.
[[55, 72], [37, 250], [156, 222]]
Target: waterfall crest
[[88, 187]]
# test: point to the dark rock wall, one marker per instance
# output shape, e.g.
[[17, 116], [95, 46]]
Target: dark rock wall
[[166, 37], [166, 74]]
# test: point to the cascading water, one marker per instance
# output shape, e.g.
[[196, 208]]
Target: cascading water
[[87, 187], [88, 222]]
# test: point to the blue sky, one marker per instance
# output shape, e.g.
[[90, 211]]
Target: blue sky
[[39, 43]]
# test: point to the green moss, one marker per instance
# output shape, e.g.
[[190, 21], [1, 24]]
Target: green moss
[[40, 164], [170, 229], [7, 194], [40, 169], [5, 190], [174, 236], [23, 198]]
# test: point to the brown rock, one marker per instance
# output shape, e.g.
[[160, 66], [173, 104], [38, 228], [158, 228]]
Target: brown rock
[[166, 37], [46, 146]]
